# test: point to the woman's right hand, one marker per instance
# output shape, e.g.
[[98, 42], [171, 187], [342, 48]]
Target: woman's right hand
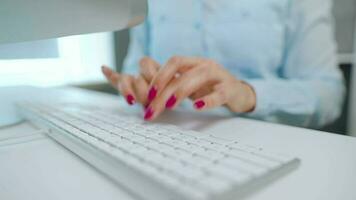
[[134, 89]]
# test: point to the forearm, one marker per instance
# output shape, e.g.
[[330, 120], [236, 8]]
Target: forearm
[[298, 102]]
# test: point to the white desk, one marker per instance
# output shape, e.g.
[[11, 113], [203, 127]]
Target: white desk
[[34, 167]]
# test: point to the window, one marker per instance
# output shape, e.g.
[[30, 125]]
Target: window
[[68, 60]]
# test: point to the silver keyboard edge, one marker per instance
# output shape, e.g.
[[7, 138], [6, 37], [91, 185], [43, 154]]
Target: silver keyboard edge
[[85, 151], [108, 166]]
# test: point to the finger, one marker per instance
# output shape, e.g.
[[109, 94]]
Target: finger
[[126, 88], [165, 99], [201, 92], [190, 83], [215, 99], [111, 76], [177, 90], [148, 68], [174, 66], [141, 88]]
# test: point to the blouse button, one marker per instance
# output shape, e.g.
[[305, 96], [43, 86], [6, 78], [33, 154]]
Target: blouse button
[[162, 18], [197, 26]]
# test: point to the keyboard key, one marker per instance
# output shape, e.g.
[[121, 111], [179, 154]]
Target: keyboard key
[[191, 165]]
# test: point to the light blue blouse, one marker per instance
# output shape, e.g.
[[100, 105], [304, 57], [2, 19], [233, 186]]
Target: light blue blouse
[[284, 48]]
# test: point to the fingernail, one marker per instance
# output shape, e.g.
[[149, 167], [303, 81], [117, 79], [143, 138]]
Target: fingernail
[[146, 106], [171, 101], [199, 104], [130, 99], [148, 114], [152, 93]]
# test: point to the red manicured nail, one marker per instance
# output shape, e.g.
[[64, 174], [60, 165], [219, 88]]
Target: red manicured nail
[[149, 113], [171, 101], [152, 93], [199, 104], [130, 99]]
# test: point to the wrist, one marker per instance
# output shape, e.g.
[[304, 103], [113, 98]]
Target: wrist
[[244, 99], [250, 97]]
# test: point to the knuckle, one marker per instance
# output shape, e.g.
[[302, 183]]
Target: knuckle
[[112, 76], [125, 81], [137, 81], [121, 88], [141, 93], [183, 89], [222, 95], [145, 64], [124, 78], [143, 67], [210, 62], [158, 81], [144, 61], [174, 59], [201, 69], [209, 102], [162, 78], [157, 104], [180, 92]]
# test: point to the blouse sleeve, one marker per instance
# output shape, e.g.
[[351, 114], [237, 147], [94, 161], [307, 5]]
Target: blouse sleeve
[[310, 90]]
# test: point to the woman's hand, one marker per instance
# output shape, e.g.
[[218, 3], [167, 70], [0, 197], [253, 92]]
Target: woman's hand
[[134, 89], [203, 80]]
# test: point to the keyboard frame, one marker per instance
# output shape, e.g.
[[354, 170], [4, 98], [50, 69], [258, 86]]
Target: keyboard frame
[[108, 166], [103, 162]]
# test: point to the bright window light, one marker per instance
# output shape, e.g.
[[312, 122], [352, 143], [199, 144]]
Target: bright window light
[[78, 62]]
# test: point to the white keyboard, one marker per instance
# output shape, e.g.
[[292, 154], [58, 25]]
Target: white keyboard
[[159, 161]]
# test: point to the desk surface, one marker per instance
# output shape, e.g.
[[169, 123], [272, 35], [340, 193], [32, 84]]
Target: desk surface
[[34, 167]]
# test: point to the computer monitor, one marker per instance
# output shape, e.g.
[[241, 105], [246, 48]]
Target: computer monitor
[[26, 20]]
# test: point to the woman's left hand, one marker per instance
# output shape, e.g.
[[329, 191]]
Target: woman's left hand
[[204, 81]]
